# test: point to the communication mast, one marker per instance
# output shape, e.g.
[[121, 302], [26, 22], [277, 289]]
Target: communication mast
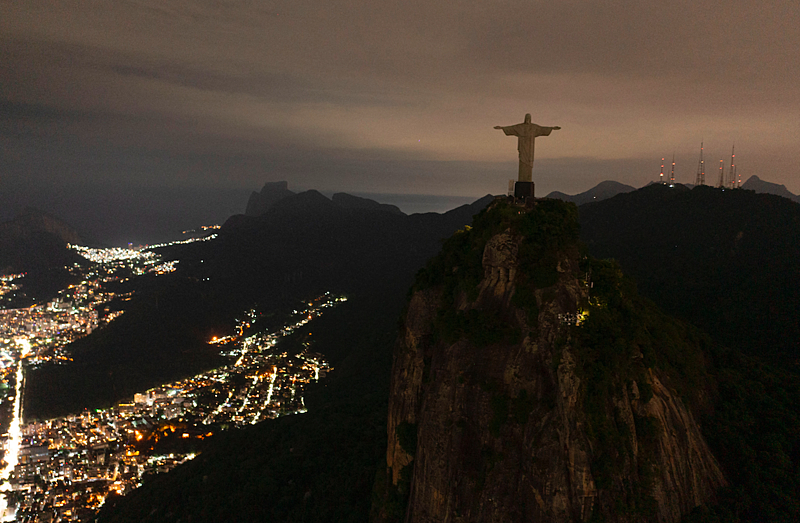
[[672, 174], [661, 176], [701, 169], [721, 174], [732, 171]]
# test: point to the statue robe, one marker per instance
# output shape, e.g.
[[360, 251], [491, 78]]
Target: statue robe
[[527, 133]]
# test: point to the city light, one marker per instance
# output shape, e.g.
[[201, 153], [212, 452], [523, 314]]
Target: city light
[[109, 450]]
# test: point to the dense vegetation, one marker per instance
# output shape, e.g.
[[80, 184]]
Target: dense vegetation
[[321, 465], [304, 248], [725, 262], [122, 357], [754, 431], [548, 226], [729, 262], [621, 339], [546, 229], [318, 466]]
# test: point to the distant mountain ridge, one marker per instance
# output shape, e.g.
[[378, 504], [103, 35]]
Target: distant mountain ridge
[[754, 183], [35, 242], [271, 193], [339, 233], [610, 188], [304, 245], [348, 201], [601, 191], [723, 246], [33, 221]]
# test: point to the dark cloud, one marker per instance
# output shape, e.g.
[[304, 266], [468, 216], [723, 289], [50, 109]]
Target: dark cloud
[[393, 97]]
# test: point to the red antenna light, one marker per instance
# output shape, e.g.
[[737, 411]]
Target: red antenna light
[[672, 174]]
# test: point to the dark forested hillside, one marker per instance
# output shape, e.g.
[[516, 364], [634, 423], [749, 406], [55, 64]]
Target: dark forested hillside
[[710, 256], [599, 192], [317, 466], [36, 243], [304, 245], [531, 383], [728, 261]]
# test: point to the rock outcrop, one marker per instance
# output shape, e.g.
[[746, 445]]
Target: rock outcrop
[[529, 384], [271, 193], [754, 183]]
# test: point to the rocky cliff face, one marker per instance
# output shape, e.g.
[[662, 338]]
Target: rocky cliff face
[[532, 384]]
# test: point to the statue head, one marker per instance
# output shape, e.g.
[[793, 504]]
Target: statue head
[[528, 118]]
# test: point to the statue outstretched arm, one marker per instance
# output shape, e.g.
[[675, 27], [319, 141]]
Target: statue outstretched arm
[[510, 130], [545, 131]]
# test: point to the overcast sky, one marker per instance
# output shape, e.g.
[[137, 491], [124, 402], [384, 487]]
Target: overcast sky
[[398, 97]]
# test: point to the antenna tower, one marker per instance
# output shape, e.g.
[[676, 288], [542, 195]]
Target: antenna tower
[[721, 174], [701, 169], [661, 176], [732, 171], [672, 174]]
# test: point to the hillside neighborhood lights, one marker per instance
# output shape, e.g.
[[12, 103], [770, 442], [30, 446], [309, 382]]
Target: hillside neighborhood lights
[[109, 450], [71, 464], [11, 449]]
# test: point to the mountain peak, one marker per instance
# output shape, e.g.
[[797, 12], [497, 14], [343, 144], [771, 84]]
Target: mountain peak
[[754, 183], [603, 190], [506, 380], [31, 221], [271, 193], [307, 202]]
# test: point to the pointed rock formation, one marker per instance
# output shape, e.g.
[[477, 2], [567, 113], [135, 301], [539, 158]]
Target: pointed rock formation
[[261, 202], [530, 384], [754, 183]]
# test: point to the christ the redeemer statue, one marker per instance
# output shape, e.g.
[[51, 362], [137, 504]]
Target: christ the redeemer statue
[[527, 133]]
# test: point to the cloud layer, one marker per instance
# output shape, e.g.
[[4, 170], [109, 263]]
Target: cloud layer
[[394, 96]]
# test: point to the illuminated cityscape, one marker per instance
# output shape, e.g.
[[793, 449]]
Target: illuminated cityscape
[[63, 469], [7, 284]]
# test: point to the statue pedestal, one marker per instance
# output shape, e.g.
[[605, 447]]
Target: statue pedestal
[[523, 190]]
